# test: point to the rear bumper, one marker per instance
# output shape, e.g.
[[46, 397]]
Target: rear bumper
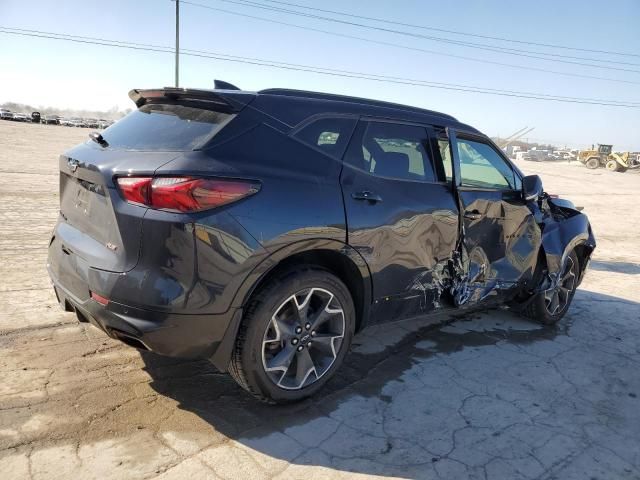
[[175, 335]]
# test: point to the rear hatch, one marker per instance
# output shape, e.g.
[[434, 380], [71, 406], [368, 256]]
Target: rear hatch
[[95, 223]]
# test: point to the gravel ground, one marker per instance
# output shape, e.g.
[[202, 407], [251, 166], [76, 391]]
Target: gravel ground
[[486, 396]]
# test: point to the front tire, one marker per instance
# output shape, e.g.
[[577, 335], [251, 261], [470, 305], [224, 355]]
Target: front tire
[[612, 166], [294, 335], [549, 306]]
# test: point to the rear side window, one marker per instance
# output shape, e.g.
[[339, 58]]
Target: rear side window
[[393, 150], [330, 135], [165, 127]]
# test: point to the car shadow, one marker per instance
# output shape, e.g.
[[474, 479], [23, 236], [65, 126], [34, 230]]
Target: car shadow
[[616, 267], [372, 376]]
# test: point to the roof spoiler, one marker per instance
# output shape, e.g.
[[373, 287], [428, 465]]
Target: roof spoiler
[[201, 98]]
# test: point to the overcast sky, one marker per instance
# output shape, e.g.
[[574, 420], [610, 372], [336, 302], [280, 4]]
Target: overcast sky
[[47, 72]]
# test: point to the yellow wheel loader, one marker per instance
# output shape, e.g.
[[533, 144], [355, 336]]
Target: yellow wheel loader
[[604, 156]]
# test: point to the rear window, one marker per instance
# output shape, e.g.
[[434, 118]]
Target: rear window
[[165, 127]]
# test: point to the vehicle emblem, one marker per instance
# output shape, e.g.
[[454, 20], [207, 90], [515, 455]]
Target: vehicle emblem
[[111, 246], [73, 164]]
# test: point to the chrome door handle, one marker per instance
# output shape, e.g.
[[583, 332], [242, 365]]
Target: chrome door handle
[[366, 195]]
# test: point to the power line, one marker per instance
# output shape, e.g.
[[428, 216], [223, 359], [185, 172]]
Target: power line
[[97, 39], [492, 48], [455, 32], [317, 70], [86, 40], [406, 47], [313, 69], [414, 81], [161, 48]]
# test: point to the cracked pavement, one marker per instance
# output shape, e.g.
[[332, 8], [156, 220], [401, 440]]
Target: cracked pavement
[[485, 396]]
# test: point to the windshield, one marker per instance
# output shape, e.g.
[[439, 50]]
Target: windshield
[[165, 127]]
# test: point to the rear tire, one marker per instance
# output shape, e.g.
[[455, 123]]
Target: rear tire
[[294, 335], [592, 163], [549, 306]]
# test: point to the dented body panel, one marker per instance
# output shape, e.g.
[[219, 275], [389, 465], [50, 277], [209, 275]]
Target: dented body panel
[[503, 240], [496, 259], [403, 239], [433, 247], [564, 229]]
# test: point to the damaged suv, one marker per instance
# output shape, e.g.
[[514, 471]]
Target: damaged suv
[[262, 230]]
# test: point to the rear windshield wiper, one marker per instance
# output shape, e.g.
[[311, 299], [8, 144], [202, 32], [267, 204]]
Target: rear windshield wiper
[[99, 139]]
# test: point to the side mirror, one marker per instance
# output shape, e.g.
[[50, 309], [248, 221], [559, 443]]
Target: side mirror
[[531, 187]]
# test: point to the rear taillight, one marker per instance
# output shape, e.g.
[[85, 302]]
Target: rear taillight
[[135, 189], [184, 194]]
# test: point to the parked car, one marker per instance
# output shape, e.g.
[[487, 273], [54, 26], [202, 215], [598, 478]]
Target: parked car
[[103, 123], [76, 122], [262, 230], [51, 120], [36, 117], [6, 114], [21, 117], [91, 122]]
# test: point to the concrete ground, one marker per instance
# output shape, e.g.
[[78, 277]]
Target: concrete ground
[[488, 396]]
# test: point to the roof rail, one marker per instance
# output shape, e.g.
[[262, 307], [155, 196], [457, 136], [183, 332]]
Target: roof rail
[[286, 92]]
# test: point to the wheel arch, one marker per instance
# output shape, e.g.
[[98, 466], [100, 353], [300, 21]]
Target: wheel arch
[[583, 252], [567, 236], [550, 262], [335, 256]]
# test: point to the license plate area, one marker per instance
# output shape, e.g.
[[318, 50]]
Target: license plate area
[[87, 207], [83, 201]]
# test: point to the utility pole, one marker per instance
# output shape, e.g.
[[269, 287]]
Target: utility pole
[[177, 43]]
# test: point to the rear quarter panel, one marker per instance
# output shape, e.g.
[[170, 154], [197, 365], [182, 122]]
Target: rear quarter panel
[[299, 199]]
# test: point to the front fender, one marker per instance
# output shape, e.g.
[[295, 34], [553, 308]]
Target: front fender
[[560, 237]]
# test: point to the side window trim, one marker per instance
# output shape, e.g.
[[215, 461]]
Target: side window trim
[[437, 159], [455, 158]]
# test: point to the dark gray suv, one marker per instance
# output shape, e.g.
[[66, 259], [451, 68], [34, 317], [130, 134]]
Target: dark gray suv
[[262, 230]]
